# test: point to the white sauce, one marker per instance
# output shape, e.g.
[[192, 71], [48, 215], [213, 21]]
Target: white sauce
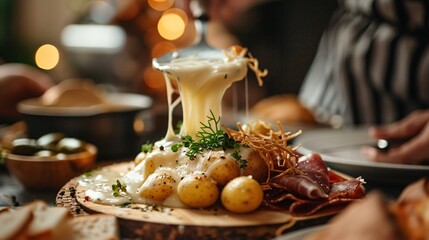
[[202, 84]]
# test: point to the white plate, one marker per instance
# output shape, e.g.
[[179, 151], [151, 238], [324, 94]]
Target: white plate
[[341, 151], [299, 234]]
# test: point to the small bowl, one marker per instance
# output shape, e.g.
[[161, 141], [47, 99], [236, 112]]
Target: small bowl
[[50, 173]]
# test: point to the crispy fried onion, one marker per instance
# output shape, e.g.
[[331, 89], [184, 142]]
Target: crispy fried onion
[[237, 51], [272, 146]]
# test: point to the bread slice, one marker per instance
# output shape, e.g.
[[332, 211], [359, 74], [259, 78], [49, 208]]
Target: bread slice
[[39, 221], [12, 222], [48, 222], [95, 227]]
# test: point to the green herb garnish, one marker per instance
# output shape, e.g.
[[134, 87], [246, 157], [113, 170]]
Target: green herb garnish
[[119, 188], [210, 137], [241, 162], [147, 147]]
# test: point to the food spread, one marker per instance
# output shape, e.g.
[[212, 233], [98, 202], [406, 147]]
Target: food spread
[[206, 162]]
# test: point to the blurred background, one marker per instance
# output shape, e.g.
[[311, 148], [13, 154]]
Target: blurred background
[[112, 42]]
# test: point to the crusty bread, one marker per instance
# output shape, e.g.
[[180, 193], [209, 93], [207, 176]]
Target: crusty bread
[[95, 227], [12, 221], [39, 221], [48, 222]]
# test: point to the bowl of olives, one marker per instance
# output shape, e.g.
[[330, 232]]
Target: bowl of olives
[[47, 163]]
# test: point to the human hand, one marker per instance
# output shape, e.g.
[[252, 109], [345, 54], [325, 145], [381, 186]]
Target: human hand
[[19, 82], [414, 129]]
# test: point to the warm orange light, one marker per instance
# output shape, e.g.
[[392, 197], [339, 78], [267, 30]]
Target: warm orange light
[[160, 5], [153, 79], [172, 24], [178, 12], [162, 48], [47, 56]]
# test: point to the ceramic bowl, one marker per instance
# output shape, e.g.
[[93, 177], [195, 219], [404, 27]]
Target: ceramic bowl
[[50, 173]]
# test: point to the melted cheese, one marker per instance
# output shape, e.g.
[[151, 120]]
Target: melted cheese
[[202, 84]]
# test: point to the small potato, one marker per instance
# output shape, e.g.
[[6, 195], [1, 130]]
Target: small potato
[[224, 170], [256, 167], [148, 167], [198, 190], [139, 158], [242, 195], [158, 186]]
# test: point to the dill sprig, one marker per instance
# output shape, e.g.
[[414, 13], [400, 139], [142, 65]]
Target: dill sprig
[[211, 137]]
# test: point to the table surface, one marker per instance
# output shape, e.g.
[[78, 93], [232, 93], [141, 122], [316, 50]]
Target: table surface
[[10, 187]]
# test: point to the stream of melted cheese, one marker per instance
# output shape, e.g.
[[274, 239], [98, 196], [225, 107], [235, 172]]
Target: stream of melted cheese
[[202, 84]]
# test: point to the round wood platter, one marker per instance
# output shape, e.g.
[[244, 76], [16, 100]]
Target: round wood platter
[[140, 221]]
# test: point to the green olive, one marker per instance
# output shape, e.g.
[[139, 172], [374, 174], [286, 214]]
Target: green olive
[[24, 146], [49, 141], [70, 145]]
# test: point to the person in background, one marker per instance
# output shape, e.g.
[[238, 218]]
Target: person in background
[[372, 68], [19, 82]]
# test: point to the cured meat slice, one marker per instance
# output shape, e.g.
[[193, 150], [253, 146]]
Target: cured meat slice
[[313, 184], [317, 190], [314, 167], [301, 185]]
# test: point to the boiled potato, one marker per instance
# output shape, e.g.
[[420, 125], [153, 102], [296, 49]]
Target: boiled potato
[[158, 186], [140, 157], [256, 167], [242, 195], [148, 167], [224, 170], [198, 190]]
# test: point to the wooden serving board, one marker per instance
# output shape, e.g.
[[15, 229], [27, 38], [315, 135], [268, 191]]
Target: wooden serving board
[[146, 222]]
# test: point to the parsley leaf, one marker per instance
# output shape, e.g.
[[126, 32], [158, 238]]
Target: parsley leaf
[[147, 147], [119, 188]]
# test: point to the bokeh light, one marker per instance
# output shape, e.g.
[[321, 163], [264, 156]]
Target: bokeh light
[[47, 56], [153, 79], [160, 5], [162, 48], [172, 23]]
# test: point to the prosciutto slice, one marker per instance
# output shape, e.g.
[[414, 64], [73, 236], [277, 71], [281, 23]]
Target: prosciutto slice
[[313, 184], [317, 190]]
